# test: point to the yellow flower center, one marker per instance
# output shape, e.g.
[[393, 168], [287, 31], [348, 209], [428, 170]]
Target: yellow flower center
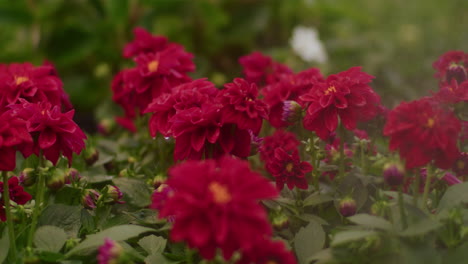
[[460, 164], [430, 122], [21, 79], [331, 89], [220, 193], [271, 262], [289, 167], [153, 66]]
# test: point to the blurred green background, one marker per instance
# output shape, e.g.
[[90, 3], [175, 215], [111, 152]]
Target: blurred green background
[[396, 40]]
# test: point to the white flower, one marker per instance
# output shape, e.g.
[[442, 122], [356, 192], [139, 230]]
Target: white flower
[[307, 45]]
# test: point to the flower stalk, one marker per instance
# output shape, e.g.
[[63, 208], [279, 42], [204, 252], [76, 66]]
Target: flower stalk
[[341, 171], [39, 197], [427, 186], [9, 219]]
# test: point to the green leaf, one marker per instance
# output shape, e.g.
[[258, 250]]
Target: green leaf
[[50, 256], [317, 198], [153, 244], [454, 195], [50, 238], [321, 257], [350, 235], [371, 221], [63, 216], [134, 191], [308, 241], [158, 258], [4, 245], [117, 233], [422, 227]]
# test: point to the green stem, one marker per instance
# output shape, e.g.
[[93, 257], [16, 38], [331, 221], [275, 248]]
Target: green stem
[[402, 208], [11, 230], [363, 160], [427, 185], [416, 189], [40, 187], [342, 155]]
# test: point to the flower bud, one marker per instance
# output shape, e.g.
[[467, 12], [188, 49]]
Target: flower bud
[[393, 174], [450, 179], [106, 126], [56, 180], [90, 198], [27, 177], [91, 155], [114, 194], [380, 208], [292, 111], [109, 252], [123, 173], [457, 72], [347, 207], [280, 221], [158, 180], [72, 175], [160, 195]]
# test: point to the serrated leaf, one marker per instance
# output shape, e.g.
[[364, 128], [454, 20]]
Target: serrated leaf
[[351, 235], [317, 198], [4, 245], [63, 216], [50, 238], [455, 195], [116, 233], [308, 241], [153, 244], [371, 221], [134, 191]]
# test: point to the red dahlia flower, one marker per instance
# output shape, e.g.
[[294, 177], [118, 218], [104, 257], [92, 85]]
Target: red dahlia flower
[[17, 194], [13, 135], [54, 132], [423, 131], [280, 139], [289, 88], [267, 252], [199, 131], [215, 205], [452, 65], [144, 42], [182, 97], [347, 95], [241, 106], [289, 169], [452, 93], [261, 69], [33, 84]]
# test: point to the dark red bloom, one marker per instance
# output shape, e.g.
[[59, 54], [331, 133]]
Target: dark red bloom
[[160, 67], [452, 65], [53, 132], [346, 95], [215, 205], [280, 139], [144, 42], [199, 131], [182, 97], [267, 252], [33, 84], [261, 69], [109, 252], [288, 168], [17, 194], [13, 136], [240, 105], [422, 131], [289, 88], [160, 196], [452, 93]]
